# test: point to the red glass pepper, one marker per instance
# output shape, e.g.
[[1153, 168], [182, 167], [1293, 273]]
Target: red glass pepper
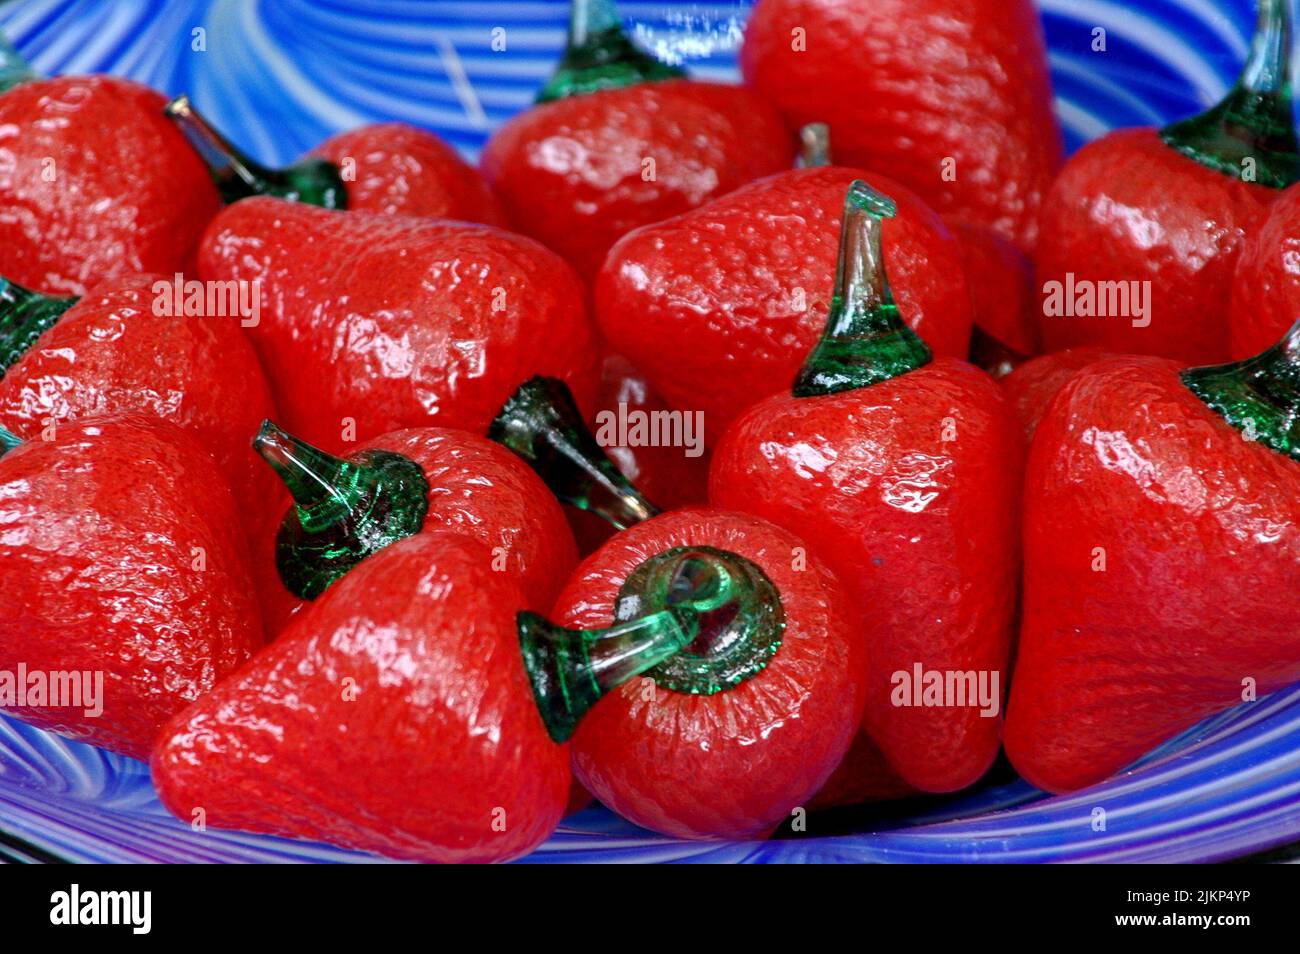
[[95, 184], [904, 471], [691, 749], [390, 168], [1170, 208], [371, 323], [439, 704], [125, 569], [62, 359], [1162, 543], [949, 97], [398, 484], [619, 140], [1266, 282], [718, 306]]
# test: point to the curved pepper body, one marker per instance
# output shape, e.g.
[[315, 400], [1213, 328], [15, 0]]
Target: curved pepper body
[[1266, 283], [122, 556], [720, 306], [1161, 549], [910, 489], [371, 323], [479, 489], [400, 169], [577, 173], [1129, 209], [111, 353], [949, 97], [434, 751], [95, 184], [736, 763]]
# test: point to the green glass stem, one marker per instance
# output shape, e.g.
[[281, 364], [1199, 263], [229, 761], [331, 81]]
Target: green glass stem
[[741, 619], [814, 146], [1255, 120], [1259, 396], [668, 605], [600, 55], [344, 509], [311, 181], [13, 68], [25, 315], [571, 669], [866, 340], [8, 440], [541, 424]]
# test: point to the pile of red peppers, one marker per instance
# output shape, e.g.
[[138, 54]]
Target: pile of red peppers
[[720, 452]]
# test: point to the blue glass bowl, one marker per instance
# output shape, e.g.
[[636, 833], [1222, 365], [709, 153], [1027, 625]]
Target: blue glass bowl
[[281, 75]]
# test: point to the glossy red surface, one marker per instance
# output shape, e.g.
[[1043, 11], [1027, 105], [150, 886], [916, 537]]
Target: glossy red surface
[[479, 489], [1001, 282], [95, 183], [922, 530], [122, 555], [401, 169], [1129, 208], [110, 353], [573, 174], [1266, 284], [720, 306], [433, 752], [906, 84], [1031, 387], [734, 764], [1199, 531], [391, 321]]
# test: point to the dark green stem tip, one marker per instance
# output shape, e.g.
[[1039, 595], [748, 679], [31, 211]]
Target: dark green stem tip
[[541, 424], [313, 181], [344, 509]]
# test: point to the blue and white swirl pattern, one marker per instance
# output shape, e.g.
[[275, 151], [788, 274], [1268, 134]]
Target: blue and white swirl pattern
[[280, 75]]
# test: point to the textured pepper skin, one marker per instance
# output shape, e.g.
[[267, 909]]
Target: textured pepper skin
[[127, 193], [403, 170], [734, 764], [908, 84], [1001, 283], [440, 733], [479, 489], [720, 306], [665, 475], [110, 353], [122, 554], [390, 321], [1031, 387], [1199, 530], [922, 530], [1266, 284], [572, 173], [1127, 207]]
